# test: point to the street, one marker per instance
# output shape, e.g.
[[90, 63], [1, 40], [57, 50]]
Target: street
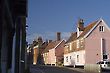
[[105, 71], [53, 69], [49, 69]]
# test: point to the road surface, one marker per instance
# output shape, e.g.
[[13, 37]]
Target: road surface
[[53, 69]]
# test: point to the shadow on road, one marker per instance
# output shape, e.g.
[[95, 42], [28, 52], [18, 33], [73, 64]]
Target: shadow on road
[[51, 69]]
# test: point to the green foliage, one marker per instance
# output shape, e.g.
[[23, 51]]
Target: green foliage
[[59, 64]]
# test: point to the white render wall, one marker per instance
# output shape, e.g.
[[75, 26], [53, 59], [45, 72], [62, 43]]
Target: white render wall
[[74, 58], [70, 61]]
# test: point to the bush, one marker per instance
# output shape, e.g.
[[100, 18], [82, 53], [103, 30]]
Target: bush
[[59, 64]]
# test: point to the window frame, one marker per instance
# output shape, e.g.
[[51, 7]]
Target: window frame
[[70, 57], [66, 58], [77, 58], [101, 28]]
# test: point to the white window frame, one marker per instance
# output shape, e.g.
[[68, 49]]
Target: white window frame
[[70, 57], [77, 58], [101, 28], [66, 58]]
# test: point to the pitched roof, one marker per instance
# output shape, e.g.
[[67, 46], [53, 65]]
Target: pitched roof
[[72, 37], [51, 45], [86, 30]]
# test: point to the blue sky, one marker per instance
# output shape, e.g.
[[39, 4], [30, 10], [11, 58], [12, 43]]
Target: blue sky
[[46, 17]]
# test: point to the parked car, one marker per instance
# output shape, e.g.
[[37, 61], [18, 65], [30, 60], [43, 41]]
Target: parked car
[[104, 64]]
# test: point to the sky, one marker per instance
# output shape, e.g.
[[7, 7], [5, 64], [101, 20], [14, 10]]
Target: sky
[[46, 17]]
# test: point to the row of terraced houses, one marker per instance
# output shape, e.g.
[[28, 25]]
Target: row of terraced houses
[[88, 45]]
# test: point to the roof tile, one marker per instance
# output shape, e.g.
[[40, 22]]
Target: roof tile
[[86, 30], [51, 45]]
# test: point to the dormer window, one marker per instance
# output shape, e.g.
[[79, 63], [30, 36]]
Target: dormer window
[[101, 28]]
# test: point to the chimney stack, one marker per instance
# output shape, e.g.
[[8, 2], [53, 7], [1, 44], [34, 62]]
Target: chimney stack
[[58, 36], [81, 25], [50, 41], [39, 40]]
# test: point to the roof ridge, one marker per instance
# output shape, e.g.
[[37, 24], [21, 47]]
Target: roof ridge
[[58, 43], [52, 45], [88, 28], [92, 23]]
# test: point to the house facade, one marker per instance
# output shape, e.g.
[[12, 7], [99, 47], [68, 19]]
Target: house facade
[[88, 45], [35, 54], [38, 47], [53, 53], [97, 43]]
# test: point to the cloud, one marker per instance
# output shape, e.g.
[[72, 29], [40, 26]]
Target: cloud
[[47, 35], [31, 37]]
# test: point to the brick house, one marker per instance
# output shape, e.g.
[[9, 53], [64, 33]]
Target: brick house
[[53, 53], [88, 45]]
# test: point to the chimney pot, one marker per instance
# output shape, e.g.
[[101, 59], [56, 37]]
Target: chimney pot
[[81, 24]]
